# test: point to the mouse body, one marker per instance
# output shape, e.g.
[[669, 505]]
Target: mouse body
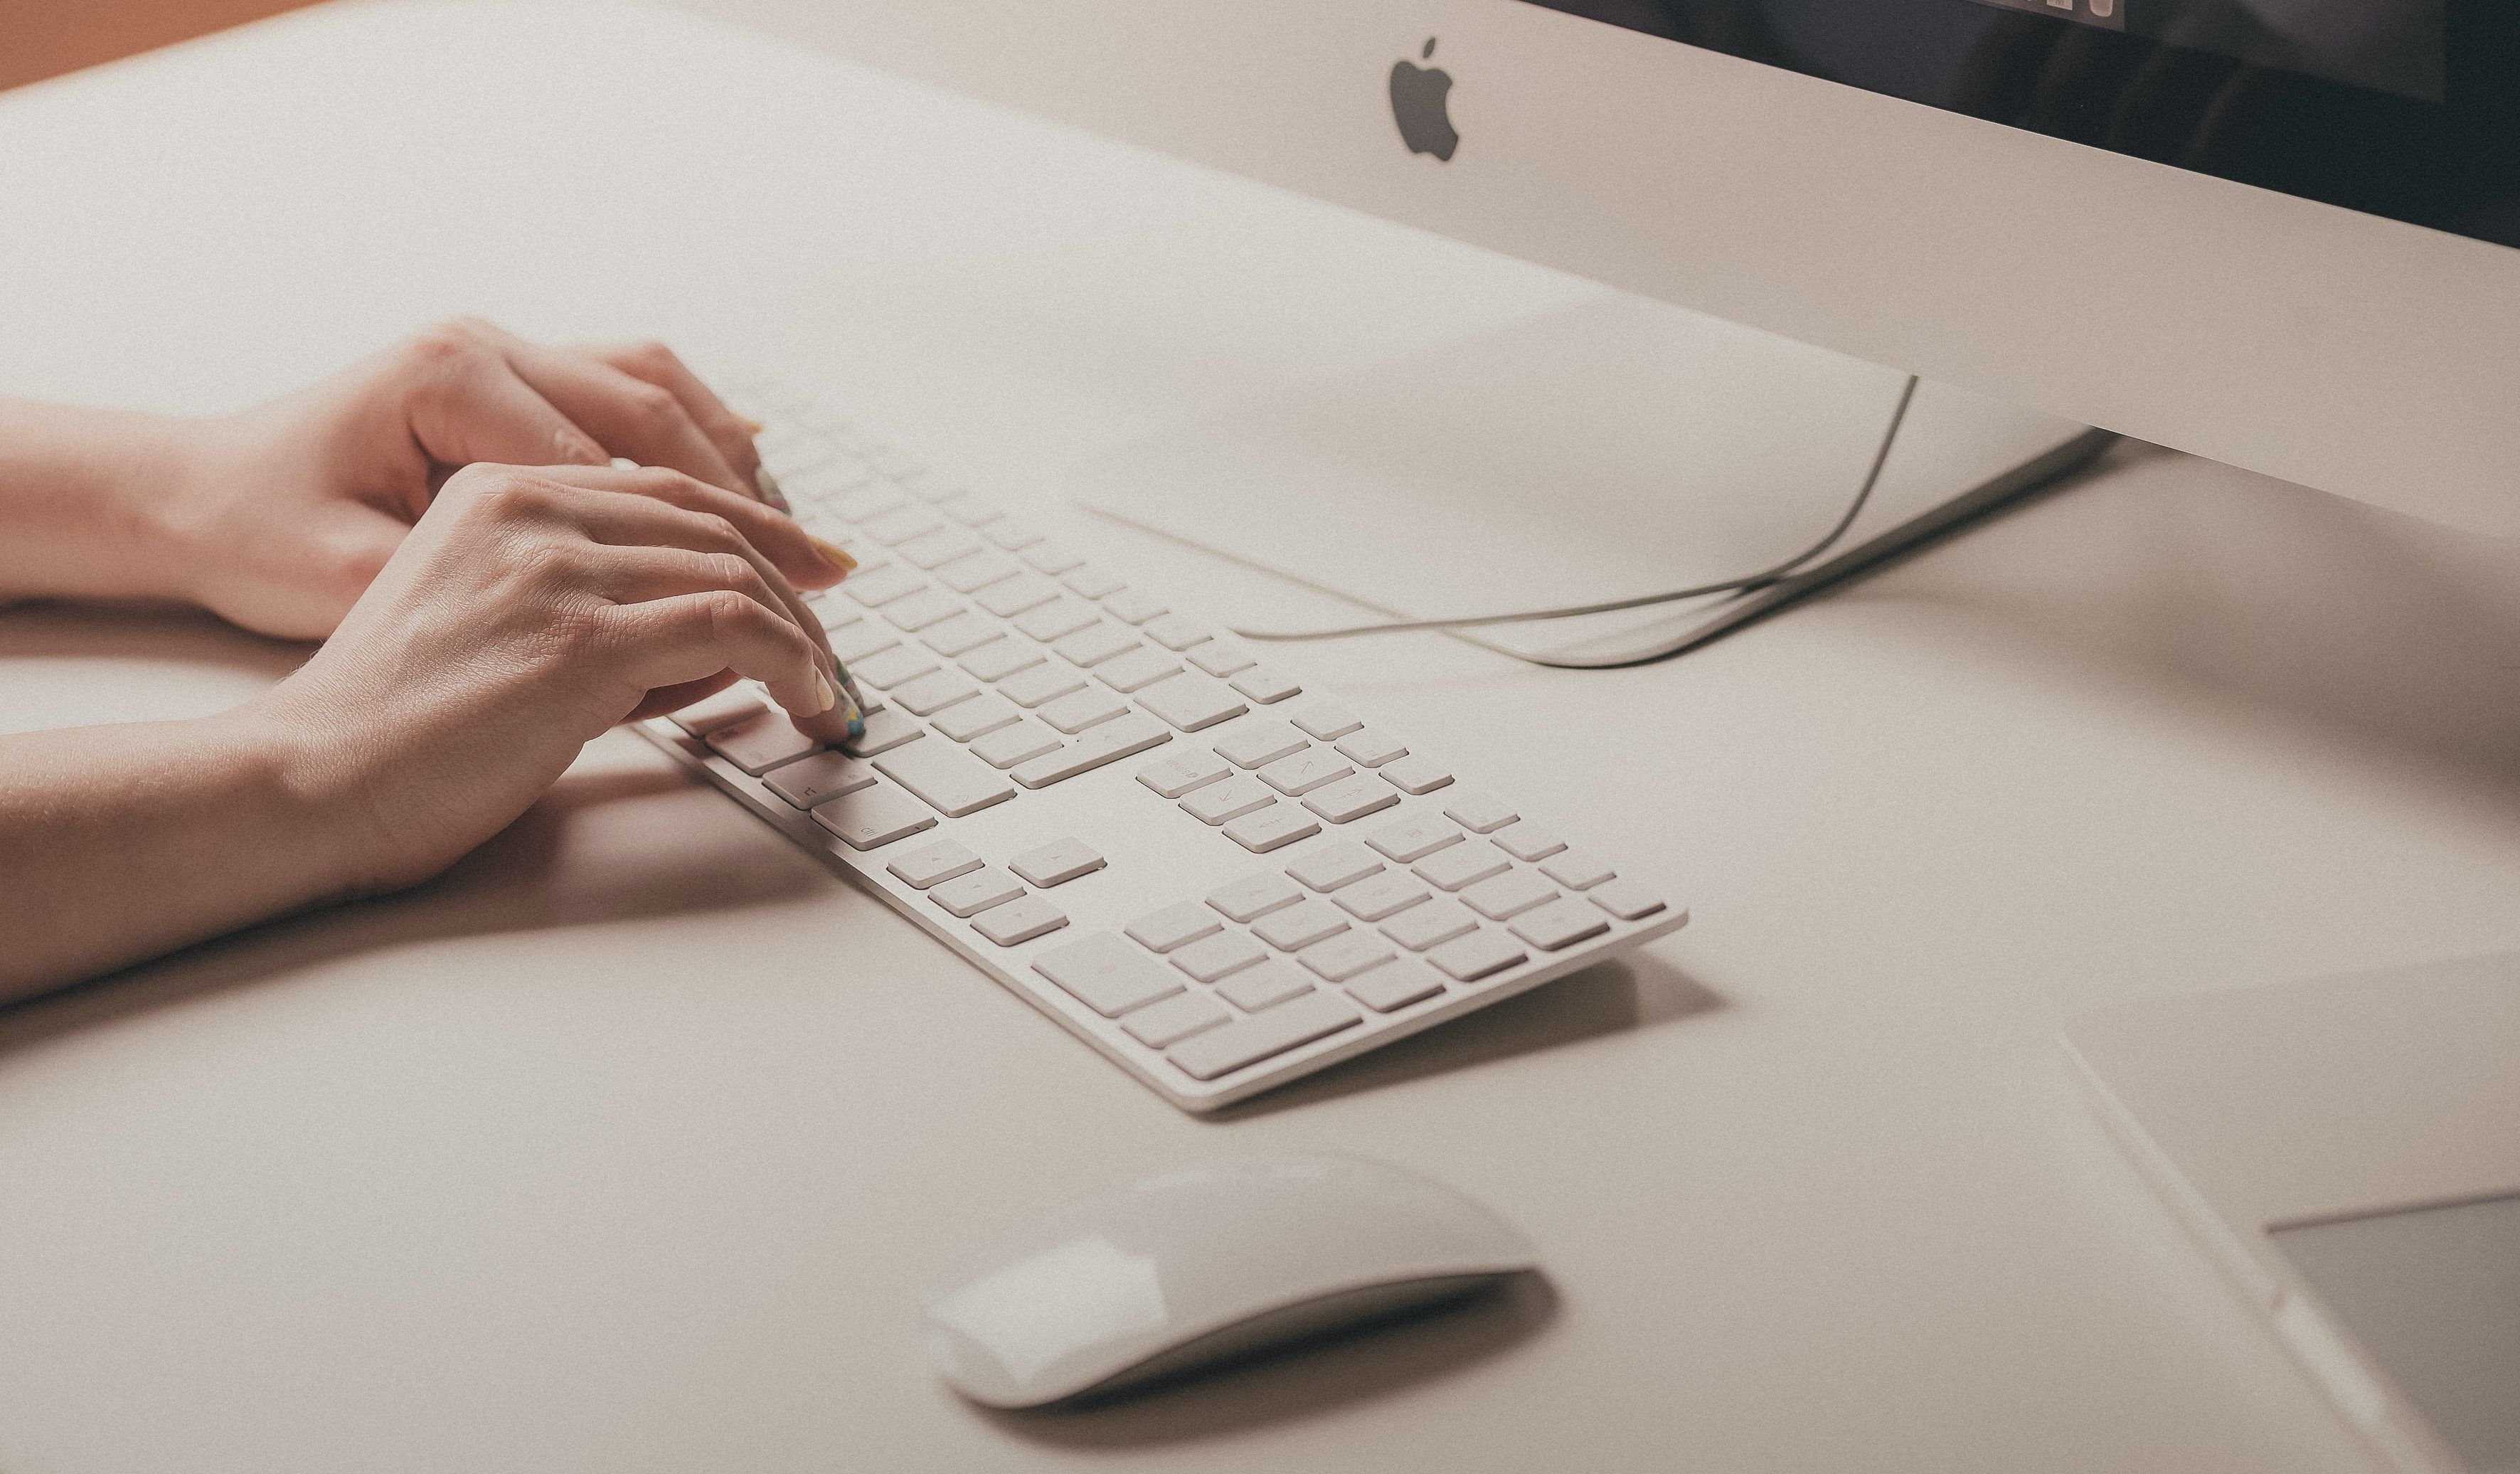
[[1206, 1264]]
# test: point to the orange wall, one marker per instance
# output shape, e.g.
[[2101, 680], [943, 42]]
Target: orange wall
[[41, 39]]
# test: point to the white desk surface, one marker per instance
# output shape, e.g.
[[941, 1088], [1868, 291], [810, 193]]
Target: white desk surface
[[629, 1144]]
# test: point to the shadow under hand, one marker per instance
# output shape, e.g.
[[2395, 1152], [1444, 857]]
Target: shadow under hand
[[1308, 1378], [1609, 997], [604, 844], [159, 633]]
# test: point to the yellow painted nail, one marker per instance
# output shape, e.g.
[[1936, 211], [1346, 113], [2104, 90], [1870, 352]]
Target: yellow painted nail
[[751, 424], [836, 556], [824, 693]]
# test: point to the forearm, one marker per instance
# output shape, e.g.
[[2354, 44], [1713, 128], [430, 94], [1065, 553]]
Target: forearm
[[82, 497], [120, 843]]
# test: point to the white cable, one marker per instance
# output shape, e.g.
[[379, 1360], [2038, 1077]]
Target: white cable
[[1782, 570]]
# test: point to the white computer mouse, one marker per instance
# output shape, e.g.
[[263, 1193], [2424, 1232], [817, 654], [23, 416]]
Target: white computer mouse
[[1206, 1264]]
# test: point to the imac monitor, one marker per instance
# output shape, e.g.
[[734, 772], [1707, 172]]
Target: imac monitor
[[2283, 234]]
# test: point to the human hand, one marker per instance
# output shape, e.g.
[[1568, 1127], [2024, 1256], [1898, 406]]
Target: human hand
[[527, 611], [280, 516]]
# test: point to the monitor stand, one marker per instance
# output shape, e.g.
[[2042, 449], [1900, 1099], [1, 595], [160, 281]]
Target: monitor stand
[[1618, 447]]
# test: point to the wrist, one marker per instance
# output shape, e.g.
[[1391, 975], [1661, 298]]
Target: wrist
[[310, 794], [90, 497]]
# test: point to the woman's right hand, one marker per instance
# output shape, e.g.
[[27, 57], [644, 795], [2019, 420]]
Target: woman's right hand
[[528, 610]]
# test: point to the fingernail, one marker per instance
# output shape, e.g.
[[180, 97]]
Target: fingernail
[[849, 683], [768, 485], [856, 716], [751, 424], [836, 556], [824, 693]]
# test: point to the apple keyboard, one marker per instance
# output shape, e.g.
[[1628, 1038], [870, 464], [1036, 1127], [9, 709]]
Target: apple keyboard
[[1217, 877]]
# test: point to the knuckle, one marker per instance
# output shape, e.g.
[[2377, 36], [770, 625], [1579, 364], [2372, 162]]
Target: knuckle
[[446, 347], [732, 572], [652, 406], [651, 354]]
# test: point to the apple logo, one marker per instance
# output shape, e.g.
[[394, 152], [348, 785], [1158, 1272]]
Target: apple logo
[[1418, 97]]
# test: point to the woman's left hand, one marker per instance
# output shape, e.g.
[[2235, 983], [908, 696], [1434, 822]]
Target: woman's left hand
[[281, 516]]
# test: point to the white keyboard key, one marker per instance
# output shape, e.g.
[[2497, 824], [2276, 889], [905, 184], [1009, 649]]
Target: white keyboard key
[[946, 776], [1023, 742], [1561, 924], [1299, 926], [1012, 535], [962, 634], [1527, 841], [862, 639], [835, 614], [874, 816], [934, 692], [1173, 1020], [1002, 657], [1212, 957], [1508, 894], [1414, 774], [1056, 620], [1175, 926], [1394, 985], [1036, 684], [1626, 899], [1461, 866], [969, 895], [968, 510], [1350, 798], [1379, 895], [1191, 703], [825, 775], [1175, 776], [902, 524], [1343, 956], [1264, 743], [1092, 582], [1299, 773], [1232, 799], [929, 865], [1429, 922], [1223, 657], [977, 716], [886, 669], [1051, 560], [1094, 643], [876, 587], [1136, 670], [1178, 631], [761, 743], [1577, 872], [1108, 743], [1267, 986], [934, 549], [1465, 959], [1370, 749], [1134, 606], [1247, 1041], [1412, 838], [1254, 896], [1271, 828], [1324, 718], [1108, 975], [884, 731], [1478, 813], [867, 503], [1056, 862], [1078, 709], [1335, 865], [1266, 687], [724, 710], [1020, 921], [916, 612], [973, 572], [1020, 594]]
